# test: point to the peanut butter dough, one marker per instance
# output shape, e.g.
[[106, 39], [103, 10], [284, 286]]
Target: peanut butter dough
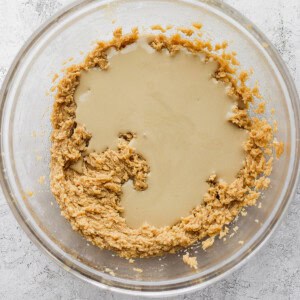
[[88, 184]]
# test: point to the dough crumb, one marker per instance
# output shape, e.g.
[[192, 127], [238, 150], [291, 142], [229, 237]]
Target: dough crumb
[[208, 243], [109, 271], [138, 270], [198, 26], [53, 89], [186, 31], [261, 108], [223, 232], [55, 76], [38, 157], [275, 126], [279, 148], [158, 27], [236, 228], [41, 180], [30, 193], [191, 261], [243, 212]]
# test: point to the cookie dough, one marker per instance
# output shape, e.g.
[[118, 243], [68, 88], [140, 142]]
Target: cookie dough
[[88, 184]]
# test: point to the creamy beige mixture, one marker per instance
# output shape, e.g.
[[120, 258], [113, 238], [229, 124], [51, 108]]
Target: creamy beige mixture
[[178, 115], [153, 133]]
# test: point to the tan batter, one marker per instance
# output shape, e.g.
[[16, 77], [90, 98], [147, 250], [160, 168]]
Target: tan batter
[[177, 112], [93, 187]]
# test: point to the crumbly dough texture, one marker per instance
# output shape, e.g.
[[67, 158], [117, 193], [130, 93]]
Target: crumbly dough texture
[[190, 261], [91, 201]]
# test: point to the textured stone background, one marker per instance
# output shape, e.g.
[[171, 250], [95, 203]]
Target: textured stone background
[[274, 273]]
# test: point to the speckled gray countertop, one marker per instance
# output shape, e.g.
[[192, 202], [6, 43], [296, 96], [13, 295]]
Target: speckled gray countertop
[[274, 273]]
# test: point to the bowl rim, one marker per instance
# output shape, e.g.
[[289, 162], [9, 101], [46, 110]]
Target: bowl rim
[[233, 263]]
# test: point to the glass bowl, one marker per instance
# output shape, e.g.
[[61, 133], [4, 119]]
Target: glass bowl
[[25, 144]]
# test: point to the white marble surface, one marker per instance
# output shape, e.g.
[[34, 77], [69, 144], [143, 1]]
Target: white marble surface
[[274, 273]]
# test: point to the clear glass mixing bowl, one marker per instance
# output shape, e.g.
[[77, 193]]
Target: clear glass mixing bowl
[[25, 131]]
